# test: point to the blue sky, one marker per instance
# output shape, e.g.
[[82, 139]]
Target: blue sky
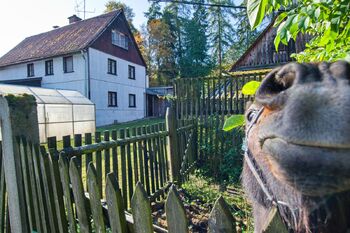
[[23, 18]]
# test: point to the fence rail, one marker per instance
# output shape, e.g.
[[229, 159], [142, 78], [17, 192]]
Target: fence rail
[[133, 154]]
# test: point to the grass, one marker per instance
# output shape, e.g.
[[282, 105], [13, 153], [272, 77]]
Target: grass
[[131, 124]]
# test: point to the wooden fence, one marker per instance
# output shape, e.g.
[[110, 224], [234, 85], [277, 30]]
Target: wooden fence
[[57, 199], [135, 154], [4, 219], [209, 102]]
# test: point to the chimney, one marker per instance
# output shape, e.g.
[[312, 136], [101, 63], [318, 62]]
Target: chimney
[[55, 27], [73, 19]]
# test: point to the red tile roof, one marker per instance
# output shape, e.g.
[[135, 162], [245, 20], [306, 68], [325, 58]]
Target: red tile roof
[[68, 39]]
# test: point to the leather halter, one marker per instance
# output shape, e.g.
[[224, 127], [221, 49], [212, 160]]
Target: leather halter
[[256, 171]]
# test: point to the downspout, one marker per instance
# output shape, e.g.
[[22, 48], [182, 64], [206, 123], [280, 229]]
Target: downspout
[[85, 55]]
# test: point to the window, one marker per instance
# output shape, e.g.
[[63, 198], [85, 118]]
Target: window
[[120, 39], [112, 99], [132, 100], [30, 70], [49, 67], [68, 64], [131, 72], [112, 67]]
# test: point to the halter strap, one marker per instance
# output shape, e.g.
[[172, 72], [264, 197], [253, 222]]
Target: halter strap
[[253, 167]]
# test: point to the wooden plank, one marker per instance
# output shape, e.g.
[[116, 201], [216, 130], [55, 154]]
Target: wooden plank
[[135, 157], [79, 197], [274, 223], [35, 193], [27, 184], [175, 213], [145, 160], [88, 156], [78, 142], [95, 199], [221, 219], [66, 141], [140, 157], [173, 142], [58, 192], [2, 193], [141, 211], [115, 155], [47, 183], [98, 158], [115, 205], [130, 168], [40, 189], [151, 160], [160, 156], [123, 166], [155, 157], [106, 154], [64, 174]]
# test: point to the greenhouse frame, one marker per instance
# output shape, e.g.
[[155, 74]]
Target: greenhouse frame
[[60, 112]]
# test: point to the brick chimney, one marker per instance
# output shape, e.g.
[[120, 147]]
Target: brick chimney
[[73, 19]]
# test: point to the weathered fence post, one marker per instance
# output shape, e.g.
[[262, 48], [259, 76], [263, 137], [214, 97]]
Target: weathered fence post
[[175, 159], [18, 117]]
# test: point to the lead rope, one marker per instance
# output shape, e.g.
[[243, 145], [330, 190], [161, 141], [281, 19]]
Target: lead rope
[[249, 160]]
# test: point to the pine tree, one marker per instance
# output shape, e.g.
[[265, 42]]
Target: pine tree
[[220, 30], [196, 60]]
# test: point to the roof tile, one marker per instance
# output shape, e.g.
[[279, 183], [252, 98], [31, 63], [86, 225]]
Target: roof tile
[[60, 41]]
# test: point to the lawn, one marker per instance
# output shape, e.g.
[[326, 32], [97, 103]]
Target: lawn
[[131, 124]]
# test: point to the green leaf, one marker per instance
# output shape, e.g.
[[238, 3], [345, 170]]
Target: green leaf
[[256, 11], [250, 87], [233, 121], [280, 18]]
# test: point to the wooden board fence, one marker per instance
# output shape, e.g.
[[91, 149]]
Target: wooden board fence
[[209, 102], [141, 220], [135, 154]]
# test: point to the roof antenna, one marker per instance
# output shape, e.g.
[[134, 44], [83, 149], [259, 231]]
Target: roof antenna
[[78, 8]]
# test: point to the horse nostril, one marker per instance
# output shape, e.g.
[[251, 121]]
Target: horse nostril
[[272, 89]]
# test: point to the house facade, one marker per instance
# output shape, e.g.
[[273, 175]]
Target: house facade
[[263, 55], [97, 57]]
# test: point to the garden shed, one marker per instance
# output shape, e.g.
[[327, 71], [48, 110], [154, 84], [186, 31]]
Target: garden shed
[[60, 112]]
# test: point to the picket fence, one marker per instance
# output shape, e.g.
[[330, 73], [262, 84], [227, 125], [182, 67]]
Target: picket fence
[[92, 183]]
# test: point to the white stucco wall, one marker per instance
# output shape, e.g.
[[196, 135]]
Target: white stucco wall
[[102, 82], [59, 80]]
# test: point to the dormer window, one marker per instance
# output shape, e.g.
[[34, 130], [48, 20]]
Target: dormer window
[[119, 39]]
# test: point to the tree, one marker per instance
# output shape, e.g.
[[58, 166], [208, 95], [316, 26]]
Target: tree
[[112, 5], [196, 61], [220, 30], [326, 20], [161, 51]]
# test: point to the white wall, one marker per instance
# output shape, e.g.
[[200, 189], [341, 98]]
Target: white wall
[[59, 80], [102, 82]]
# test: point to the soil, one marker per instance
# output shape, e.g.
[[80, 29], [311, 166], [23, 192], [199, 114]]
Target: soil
[[197, 212]]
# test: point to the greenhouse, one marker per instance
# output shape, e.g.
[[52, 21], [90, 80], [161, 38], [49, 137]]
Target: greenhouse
[[60, 112]]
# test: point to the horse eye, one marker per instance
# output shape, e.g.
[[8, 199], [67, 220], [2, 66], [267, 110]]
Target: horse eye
[[251, 115]]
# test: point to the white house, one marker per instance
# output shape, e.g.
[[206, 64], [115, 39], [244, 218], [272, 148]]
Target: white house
[[97, 57]]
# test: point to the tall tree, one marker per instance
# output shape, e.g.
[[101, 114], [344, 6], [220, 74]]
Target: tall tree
[[220, 30], [196, 60], [112, 5], [161, 51]]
